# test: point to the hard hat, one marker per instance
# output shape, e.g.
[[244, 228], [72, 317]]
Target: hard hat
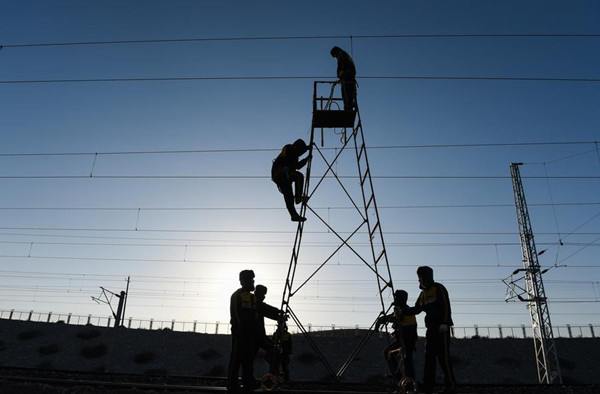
[[246, 275], [260, 290], [426, 274]]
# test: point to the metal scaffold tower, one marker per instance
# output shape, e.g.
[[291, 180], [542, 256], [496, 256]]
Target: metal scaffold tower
[[533, 291], [361, 236]]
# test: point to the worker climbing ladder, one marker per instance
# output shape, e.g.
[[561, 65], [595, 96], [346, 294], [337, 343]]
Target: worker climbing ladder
[[364, 225]]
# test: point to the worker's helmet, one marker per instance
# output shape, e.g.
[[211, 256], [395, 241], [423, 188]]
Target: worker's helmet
[[247, 279], [260, 290], [400, 297], [300, 145], [335, 50], [425, 273], [246, 275]]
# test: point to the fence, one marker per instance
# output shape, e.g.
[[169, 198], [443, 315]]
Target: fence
[[499, 331]]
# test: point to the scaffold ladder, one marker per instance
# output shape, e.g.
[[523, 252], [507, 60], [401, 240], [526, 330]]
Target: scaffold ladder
[[326, 116]]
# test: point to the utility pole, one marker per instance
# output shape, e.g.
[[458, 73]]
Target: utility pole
[[533, 291], [122, 297]]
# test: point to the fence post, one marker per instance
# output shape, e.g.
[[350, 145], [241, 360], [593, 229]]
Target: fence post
[[173, 325], [29, 317], [569, 330], [108, 324], [356, 330], [50, 315], [151, 321], [89, 319], [476, 331], [195, 322], [69, 318], [309, 327], [500, 331], [217, 327], [11, 314], [524, 332], [129, 322], [592, 331]]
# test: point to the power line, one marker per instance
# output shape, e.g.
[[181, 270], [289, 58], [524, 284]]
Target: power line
[[290, 78], [285, 244], [232, 231], [135, 209], [281, 38], [280, 263], [260, 150], [155, 176]]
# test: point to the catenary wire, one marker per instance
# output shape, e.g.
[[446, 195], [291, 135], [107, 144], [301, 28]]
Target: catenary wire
[[292, 78], [442, 206], [259, 150], [281, 38], [155, 176]]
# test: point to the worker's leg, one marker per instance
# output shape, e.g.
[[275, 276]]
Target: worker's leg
[[284, 184], [443, 355], [431, 336], [349, 94], [249, 349], [235, 360], [391, 358], [299, 181]]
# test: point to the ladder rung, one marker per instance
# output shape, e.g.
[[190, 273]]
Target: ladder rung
[[370, 202], [388, 284], [380, 256], [374, 229], [363, 179], [360, 152]]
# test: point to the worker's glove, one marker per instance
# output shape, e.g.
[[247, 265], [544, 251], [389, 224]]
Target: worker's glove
[[443, 328]]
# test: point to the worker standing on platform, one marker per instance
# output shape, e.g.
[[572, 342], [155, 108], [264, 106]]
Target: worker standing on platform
[[434, 301], [346, 73], [244, 334], [405, 335], [284, 172]]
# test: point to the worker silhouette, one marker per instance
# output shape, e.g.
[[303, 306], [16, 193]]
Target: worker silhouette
[[346, 73], [244, 334], [284, 172], [405, 337], [434, 301], [283, 362], [270, 312]]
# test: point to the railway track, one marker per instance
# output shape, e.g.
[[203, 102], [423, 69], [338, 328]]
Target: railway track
[[26, 381]]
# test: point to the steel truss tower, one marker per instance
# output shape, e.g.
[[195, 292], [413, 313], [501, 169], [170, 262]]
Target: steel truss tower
[[533, 292], [358, 190]]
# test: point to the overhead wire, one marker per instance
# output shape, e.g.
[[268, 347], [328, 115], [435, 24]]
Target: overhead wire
[[261, 150], [282, 38], [236, 208], [248, 177], [292, 78]]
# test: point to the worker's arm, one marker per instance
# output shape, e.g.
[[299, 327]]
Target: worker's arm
[[269, 311], [415, 310]]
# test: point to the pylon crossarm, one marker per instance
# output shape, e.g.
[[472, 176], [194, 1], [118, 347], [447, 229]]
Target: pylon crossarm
[[326, 261], [356, 351], [310, 341], [347, 245]]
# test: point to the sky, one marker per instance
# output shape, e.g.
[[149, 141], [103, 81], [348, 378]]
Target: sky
[[107, 172]]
